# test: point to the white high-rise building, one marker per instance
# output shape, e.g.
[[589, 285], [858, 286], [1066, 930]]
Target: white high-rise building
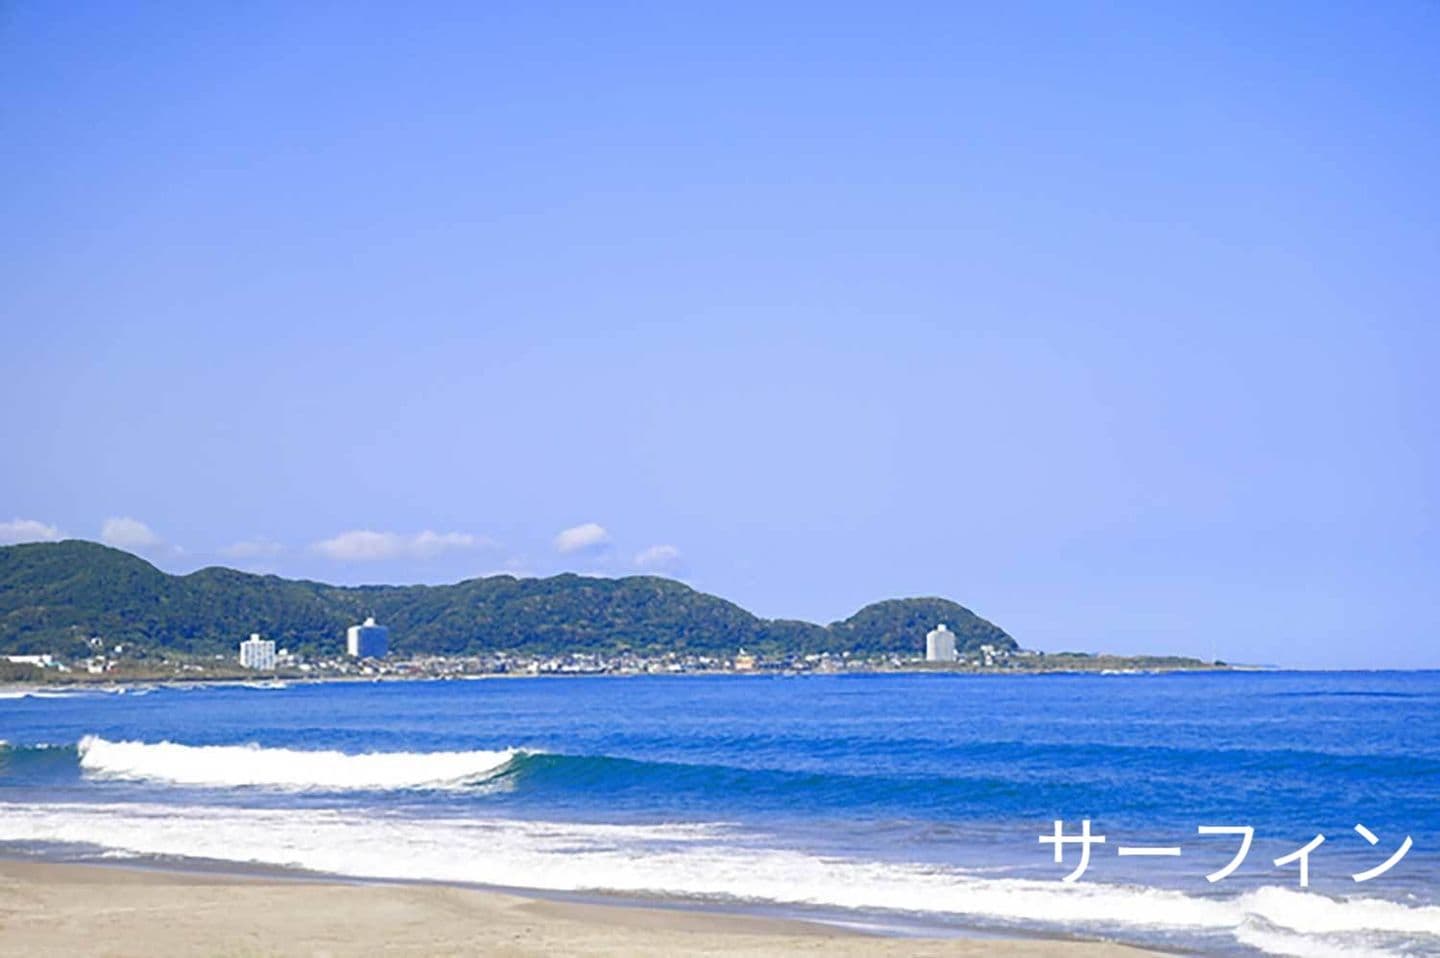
[[940, 644], [367, 641], [258, 653]]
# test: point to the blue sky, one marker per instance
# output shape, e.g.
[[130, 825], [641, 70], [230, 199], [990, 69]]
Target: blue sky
[[1115, 322]]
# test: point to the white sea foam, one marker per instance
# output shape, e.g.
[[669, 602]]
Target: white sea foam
[[1317, 913], [72, 692], [1276, 942], [705, 862], [227, 766], [39, 694]]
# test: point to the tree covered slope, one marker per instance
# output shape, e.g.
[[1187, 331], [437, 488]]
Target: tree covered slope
[[55, 595]]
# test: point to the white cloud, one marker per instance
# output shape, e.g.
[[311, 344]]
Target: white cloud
[[589, 535], [363, 545], [253, 549], [658, 557], [426, 544], [122, 532], [518, 566], [27, 530]]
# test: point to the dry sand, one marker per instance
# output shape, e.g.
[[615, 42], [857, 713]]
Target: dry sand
[[50, 909]]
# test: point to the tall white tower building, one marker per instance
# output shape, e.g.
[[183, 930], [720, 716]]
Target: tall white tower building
[[257, 653], [940, 644], [367, 641]]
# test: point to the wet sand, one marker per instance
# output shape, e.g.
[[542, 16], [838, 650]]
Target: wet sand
[[65, 909]]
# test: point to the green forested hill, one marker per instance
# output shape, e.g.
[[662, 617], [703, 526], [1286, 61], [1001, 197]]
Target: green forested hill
[[54, 595]]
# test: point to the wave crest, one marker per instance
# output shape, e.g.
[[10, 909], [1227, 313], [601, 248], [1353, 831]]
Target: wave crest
[[716, 862], [232, 766]]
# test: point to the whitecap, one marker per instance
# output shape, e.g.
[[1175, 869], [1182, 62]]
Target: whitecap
[[230, 766], [710, 861]]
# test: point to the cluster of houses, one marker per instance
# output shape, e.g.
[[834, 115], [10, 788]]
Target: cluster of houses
[[367, 647]]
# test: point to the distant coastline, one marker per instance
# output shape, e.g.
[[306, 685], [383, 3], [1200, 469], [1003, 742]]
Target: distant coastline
[[41, 680], [77, 612]]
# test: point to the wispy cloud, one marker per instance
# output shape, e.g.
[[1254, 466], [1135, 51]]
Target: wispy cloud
[[658, 557], [582, 538], [27, 530], [261, 548], [123, 532], [365, 545], [516, 566]]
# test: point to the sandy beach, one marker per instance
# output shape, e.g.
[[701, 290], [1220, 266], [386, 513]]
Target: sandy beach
[[50, 909]]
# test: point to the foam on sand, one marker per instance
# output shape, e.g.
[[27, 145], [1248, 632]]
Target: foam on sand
[[230, 766], [709, 862]]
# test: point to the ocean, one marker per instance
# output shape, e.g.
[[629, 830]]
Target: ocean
[[903, 803]]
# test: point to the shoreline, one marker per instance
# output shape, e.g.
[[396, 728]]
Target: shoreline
[[125, 910], [291, 680]]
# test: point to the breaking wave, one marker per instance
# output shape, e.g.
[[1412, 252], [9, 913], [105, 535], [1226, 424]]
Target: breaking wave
[[712, 862], [230, 766], [49, 693]]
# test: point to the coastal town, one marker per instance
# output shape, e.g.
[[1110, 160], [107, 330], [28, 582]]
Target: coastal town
[[364, 652]]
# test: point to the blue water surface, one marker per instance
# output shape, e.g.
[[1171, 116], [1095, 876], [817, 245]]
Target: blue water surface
[[962, 770]]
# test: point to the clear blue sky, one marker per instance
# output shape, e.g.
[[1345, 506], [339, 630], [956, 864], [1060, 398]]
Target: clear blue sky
[[1115, 322]]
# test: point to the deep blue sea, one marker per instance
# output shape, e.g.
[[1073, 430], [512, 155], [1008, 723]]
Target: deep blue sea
[[911, 803]]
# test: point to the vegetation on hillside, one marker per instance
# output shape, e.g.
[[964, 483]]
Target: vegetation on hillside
[[55, 596]]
